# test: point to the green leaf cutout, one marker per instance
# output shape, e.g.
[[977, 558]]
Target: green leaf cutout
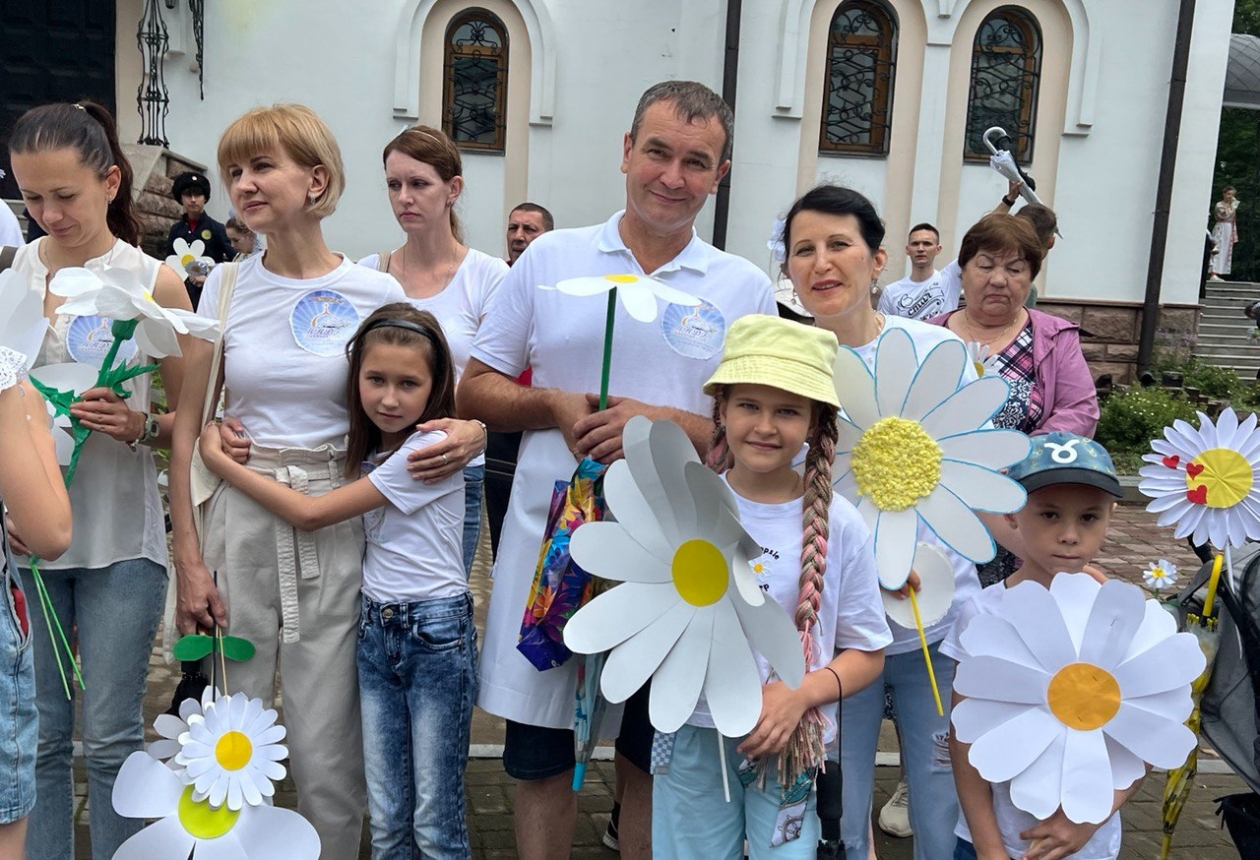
[[193, 647], [237, 649]]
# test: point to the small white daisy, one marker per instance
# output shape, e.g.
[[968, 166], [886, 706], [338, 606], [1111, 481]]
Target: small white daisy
[[637, 293], [185, 254], [1160, 574], [232, 752], [984, 363]]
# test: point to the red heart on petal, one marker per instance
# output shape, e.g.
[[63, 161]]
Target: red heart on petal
[[1171, 462], [1198, 495], [1193, 469]]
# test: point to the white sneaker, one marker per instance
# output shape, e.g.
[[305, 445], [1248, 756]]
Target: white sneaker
[[894, 818]]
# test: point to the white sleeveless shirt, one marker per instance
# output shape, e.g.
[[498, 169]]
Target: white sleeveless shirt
[[114, 497]]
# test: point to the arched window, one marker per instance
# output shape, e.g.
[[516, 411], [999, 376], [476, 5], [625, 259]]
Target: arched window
[[474, 93], [1005, 71], [861, 66]]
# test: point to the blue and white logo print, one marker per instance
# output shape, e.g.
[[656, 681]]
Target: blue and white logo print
[[88, 339], [694, 332], [323, 321]]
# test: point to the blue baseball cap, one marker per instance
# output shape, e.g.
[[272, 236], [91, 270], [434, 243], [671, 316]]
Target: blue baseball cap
[[1066, 458]]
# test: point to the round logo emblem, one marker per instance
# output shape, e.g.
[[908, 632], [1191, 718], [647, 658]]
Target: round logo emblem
[[694, 332], [205, 234], [322, 322], [88, 339]]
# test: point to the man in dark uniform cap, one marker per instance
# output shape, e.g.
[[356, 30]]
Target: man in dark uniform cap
[[192, 191]]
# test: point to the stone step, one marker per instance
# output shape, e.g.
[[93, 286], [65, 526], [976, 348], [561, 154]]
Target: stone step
[[1225, 328]]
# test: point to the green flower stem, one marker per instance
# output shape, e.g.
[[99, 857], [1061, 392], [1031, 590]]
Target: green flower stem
[[122, 330], [608, 340], [52, 622]]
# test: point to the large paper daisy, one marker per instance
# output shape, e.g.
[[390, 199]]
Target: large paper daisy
[[232, 752], [146, 788], [1206, 482], [637, 293], [171, 728], [1072, 691], [118, 294], [22, 320], [689, 605], [186, 254], [911, 448]]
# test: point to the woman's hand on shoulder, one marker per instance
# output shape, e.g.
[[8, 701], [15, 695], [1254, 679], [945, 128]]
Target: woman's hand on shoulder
[[464, 442]]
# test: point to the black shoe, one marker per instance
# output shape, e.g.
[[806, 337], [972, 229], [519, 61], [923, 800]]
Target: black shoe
[[610, 835], [830, 849]]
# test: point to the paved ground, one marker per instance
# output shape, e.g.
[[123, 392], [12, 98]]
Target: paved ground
[[1134, 542]]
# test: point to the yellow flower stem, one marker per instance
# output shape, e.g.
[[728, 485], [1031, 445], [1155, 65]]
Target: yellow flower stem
[[218, 635], [1213, 581], [927, 657]]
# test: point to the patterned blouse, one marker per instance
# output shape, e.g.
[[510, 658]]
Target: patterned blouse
[[1023, 408]]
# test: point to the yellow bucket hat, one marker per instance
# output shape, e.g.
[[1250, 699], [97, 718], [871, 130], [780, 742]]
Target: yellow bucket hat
[[766, 350]]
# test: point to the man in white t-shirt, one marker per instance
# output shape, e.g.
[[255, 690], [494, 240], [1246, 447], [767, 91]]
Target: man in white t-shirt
[[675, 154], [920, 295]]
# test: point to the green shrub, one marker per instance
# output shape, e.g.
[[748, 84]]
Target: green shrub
[[1131, 420], [1216, 382]]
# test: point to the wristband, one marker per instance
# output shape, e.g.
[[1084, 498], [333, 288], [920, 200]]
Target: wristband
[[485, 434], [1008, 201], [839, 686]]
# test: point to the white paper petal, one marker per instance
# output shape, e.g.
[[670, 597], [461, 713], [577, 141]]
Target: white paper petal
[[1075, 594], [1000, 680], [268, 832], [1037, 790], [896, 537], [935, 596], [991, 636], [587, 286], [956, 526], [1087, 793], [995, 449], [1114, 619], [982, 489], [614, 616], [855, 386], [939, 375], [1152, 738], [156, 339], [166, 838], [974, 717], [1034, 613], [967, 408], [1004, 752], [774, 635], [671, 447], [897, 366], [630, 664], [1126, 768], [1172, 663], [145, 788], [638, 301], [628, 504], [607, 549], [732, 685], [677, 683], [670, 294]]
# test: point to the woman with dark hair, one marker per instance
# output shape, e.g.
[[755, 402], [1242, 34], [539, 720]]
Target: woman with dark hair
[[111, 584], [832, 238], [441, 275]]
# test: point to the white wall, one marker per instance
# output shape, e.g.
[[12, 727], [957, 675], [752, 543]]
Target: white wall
[[339, 59]]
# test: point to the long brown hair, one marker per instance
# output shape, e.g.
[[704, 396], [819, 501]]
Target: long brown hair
[[397, 324], [88, 128]]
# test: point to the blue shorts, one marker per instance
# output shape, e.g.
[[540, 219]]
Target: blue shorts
[[539, 752], [19, 721]]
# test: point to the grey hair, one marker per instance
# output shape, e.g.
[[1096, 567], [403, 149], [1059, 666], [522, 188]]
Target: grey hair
[[692, 101]]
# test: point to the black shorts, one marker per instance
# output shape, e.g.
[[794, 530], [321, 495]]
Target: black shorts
[[538, 752]]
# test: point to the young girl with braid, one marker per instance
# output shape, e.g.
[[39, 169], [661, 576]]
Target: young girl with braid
[[773, 393]]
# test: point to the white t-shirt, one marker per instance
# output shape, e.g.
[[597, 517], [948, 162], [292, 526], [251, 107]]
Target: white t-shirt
[[414, 543], [460, 308], [117, 507], [1011, 820], [966, 581], [851, 615], [284, 350], [665, 362], [10, 228], [951, 282], [917, 300]]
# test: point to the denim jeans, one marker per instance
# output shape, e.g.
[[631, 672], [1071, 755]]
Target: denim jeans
[[417, 685], [117, 610], [474, 480], [19, 723], [924, 754], [964, 850]]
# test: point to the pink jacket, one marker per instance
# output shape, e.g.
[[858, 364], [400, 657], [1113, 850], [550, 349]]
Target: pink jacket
[[1063, 377]]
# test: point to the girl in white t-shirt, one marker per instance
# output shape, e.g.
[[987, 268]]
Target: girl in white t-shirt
[[773, 392], [417, 651]]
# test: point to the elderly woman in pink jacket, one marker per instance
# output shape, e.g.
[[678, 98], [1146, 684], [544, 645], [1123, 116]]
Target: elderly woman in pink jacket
[[1038, 354]]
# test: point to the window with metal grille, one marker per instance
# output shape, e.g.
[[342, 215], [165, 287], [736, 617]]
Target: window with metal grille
[[1005, 74], [474, 93], [861, 67]]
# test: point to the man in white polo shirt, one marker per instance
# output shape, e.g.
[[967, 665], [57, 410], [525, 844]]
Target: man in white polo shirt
[[675, 154]]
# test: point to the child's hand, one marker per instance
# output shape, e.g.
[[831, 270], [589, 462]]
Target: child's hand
[[211, 446], [1057, 837], [781, 712], [913, 581]]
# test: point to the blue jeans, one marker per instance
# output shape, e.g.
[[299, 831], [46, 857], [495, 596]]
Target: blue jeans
[[474, 480], [117, 610], [417, 685], [964, 850], [924, 754], [691, 819], [19, 723]]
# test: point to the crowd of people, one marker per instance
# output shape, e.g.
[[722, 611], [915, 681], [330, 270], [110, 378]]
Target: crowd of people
[[330, 516]]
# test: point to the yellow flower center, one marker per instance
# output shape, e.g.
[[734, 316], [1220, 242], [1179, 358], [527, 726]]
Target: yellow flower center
[[700, 572], [896, 463], [1226, 475], [979, 365], [622, 279], [233, 751], [203, 821], [186, 259], [1083, 696]]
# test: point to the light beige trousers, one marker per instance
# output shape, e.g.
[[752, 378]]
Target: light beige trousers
[[295, 595]]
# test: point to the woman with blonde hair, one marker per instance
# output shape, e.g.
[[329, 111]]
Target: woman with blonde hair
[[288, 314], [442, 275]]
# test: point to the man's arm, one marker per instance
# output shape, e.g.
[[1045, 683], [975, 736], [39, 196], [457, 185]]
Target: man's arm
[[486, 394]]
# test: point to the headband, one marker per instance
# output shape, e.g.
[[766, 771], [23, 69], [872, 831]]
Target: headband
[[394, 322]]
